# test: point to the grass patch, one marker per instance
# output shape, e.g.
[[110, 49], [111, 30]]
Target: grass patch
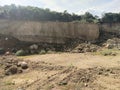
[[20, 53], [42, 52], [107, 52], [9, 83]]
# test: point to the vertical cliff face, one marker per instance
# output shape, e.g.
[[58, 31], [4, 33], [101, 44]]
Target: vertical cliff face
[[112, 28], [7, 42], [50, 32]]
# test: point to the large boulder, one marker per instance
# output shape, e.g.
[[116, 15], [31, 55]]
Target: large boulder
[[23, 65], [11, 70], [34, 47]]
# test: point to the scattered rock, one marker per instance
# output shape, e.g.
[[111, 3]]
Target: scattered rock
[[63, 83], [23, 65], [7, 53], [112, 43], [20, 70], [11, 70], [12, 65], [113, 53], [34, 47], [84, 47]]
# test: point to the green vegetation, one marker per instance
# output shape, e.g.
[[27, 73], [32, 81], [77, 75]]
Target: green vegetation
[[42, 52], [107, 52], [38, 14], [2, 51], [20, 53], [111, 18], [9, 83]]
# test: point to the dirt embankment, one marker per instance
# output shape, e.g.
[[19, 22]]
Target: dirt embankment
[[106, 39]]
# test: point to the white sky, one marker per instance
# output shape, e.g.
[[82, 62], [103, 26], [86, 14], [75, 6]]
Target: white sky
[[96, 7]]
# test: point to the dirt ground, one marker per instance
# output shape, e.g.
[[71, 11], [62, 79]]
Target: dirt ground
[[63, 71]]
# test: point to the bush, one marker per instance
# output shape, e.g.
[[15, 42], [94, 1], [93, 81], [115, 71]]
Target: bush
[[42, 52], [50, 52], [20, 53], [2, 51]]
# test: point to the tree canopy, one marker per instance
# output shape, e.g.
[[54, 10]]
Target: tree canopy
[[38, 14], [111, 18]]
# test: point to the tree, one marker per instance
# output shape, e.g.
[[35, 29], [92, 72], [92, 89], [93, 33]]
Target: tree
[[35, 13], [88, 17], [111, 18]]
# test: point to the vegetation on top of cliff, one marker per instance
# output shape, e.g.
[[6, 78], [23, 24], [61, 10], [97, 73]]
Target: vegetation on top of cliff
[[39, 14]]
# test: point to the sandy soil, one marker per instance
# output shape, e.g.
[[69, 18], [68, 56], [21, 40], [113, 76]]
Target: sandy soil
[[66, 71], [80, 60]]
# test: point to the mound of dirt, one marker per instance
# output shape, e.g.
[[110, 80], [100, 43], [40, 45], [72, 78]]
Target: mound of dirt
[[108, 40], [112, 43], [84, 47]]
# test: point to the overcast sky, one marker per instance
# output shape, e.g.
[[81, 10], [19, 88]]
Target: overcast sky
[[97, 7]]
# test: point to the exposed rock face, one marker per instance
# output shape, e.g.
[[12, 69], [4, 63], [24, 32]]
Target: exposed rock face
[[49, 32], [7, 42]]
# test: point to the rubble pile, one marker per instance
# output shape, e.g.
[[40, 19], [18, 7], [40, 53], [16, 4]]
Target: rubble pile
[[84, 47], [12, 66], [112, 43]]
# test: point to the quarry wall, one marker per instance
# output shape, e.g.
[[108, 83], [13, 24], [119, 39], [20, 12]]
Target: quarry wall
[[50, 32], [113, 27]]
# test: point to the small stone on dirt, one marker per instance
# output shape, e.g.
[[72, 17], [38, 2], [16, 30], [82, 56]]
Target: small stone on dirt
[[23, 65], [63, 83]]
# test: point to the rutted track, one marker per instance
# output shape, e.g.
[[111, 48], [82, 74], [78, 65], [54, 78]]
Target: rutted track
[[59, 77]]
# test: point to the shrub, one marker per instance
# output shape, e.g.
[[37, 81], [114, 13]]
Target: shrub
[[42, 52], [50, 52], [2, 51], [20, 53]]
